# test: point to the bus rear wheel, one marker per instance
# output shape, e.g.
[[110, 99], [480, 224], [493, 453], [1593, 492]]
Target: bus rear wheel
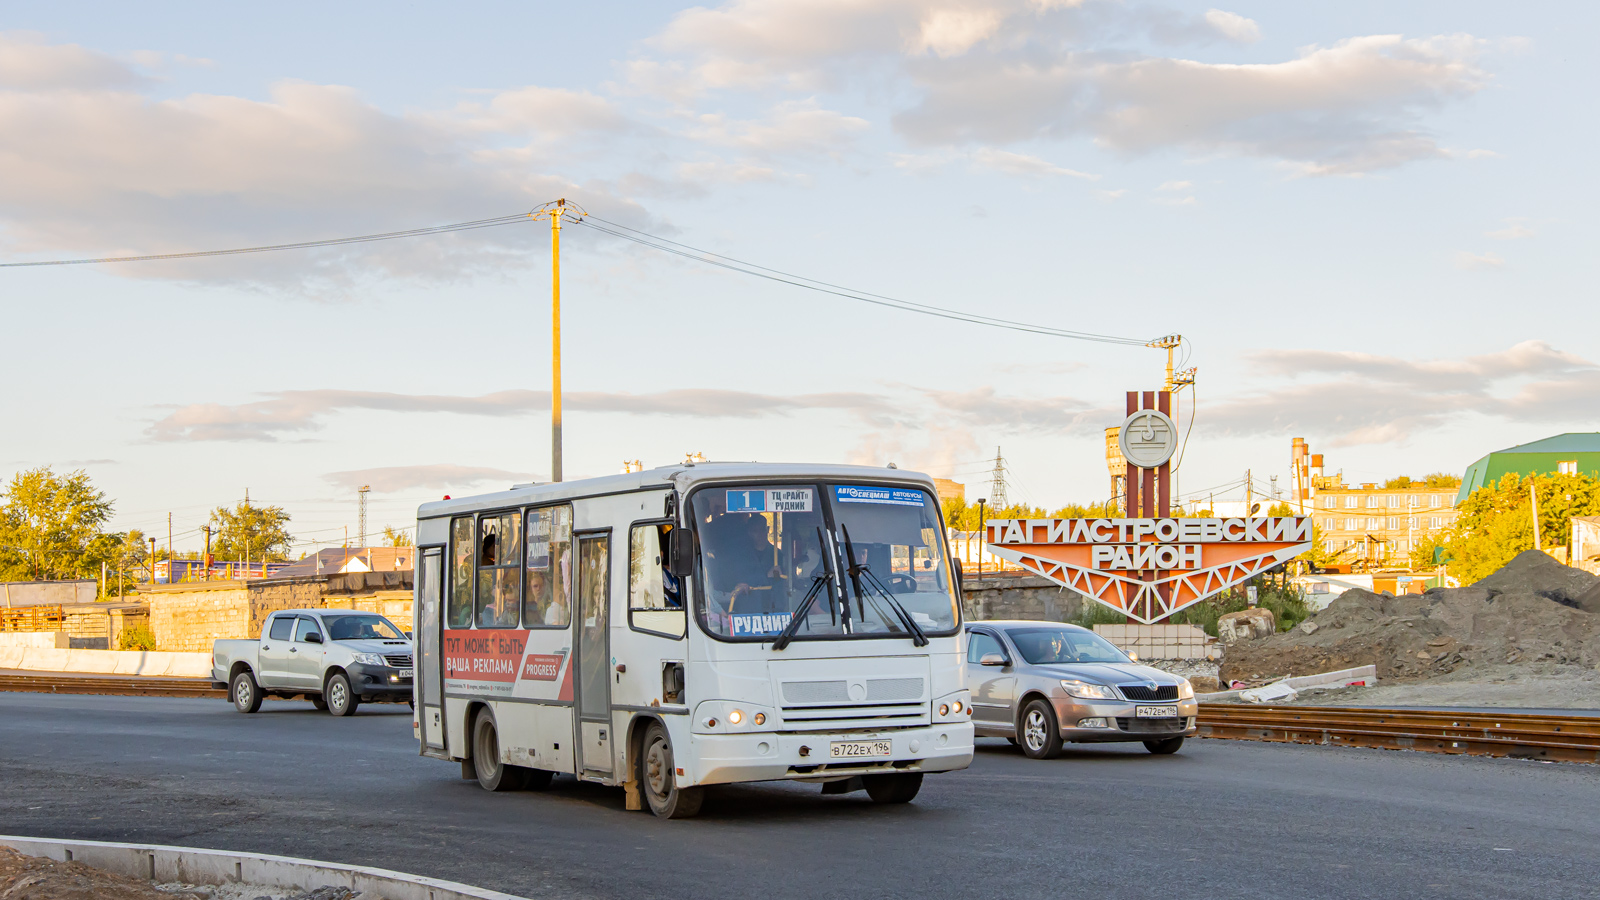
[[657, 778], [493, 775], [900, 787]]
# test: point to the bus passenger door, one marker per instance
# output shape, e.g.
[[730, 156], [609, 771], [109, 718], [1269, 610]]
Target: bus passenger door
[[426, 638], [594, 654]]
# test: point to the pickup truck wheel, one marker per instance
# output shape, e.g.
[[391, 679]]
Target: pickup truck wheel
[[318, 701], [666, 799], [493, 775], [246, 693], [341, 700]]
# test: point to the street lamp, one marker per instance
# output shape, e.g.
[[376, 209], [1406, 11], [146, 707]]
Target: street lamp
[[981, 541]]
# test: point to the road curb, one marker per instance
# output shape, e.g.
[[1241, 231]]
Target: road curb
[[191, 865]]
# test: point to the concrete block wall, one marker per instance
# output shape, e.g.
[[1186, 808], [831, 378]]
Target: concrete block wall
[[1160, 641], [267, 597], [189, 617], [1020, 597]]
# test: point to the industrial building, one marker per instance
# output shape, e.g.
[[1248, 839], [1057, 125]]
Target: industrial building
[[1563, 454]]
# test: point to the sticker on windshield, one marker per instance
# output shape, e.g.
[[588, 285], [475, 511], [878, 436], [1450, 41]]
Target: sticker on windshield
[[759, 624], [770, 500], [882, 495]]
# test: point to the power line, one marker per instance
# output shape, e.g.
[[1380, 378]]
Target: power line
[[812, 284], [298, 245]]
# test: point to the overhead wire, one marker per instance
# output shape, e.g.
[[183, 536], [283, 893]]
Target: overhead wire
[[730, 263]]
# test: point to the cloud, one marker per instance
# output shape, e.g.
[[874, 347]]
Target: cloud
[[542, 112], [293, 412], [1233, 26], [1008, 163], [1385, 399], [1470, 261], [793, 127], [443, 476], [1175, 186], [1513, 231], [28, 63]]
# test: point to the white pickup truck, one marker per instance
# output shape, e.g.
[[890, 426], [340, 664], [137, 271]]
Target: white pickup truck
[[336, 658]]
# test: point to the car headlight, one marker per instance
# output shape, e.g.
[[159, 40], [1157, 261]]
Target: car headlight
[[1185, 689], [1087, 690], [368, 659]]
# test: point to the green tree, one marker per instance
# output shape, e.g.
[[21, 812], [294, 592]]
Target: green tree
[[401, 538], [1496, 522], [249, 532], [52, 527]]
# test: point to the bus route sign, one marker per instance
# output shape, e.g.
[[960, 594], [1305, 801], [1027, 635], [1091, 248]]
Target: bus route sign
[[1148, 569]]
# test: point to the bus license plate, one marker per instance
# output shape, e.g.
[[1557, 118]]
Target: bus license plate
[[1155, 712], [405, 673], [857, 749]]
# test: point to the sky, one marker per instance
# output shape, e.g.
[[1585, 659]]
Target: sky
[[1372, 224]]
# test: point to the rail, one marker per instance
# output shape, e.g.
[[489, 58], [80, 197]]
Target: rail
[[1514, 735], [112, 685]]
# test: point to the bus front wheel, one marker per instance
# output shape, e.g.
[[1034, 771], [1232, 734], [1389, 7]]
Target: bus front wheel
[[493, 774], [656, 776], [900, 787]]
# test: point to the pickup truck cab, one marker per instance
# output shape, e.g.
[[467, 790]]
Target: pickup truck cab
[[336, 658]]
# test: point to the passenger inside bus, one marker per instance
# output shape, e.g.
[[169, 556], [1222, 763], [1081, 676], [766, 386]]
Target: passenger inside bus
[[744, 561]]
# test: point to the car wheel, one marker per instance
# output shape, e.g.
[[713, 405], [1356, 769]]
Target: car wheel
[[1041, 737], [341, 700], [899, 787], [246, 693], [318, 701], [493, 775], [656, 777], [1170, 745]]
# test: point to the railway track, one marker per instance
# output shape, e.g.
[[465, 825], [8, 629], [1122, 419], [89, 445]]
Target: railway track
[[1515, 735], [115, 685]]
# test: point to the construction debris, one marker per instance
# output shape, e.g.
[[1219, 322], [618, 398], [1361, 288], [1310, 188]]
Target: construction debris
[[1531, 610], [1246, 625]]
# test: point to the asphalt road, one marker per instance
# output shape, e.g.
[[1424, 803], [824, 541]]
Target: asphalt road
[[1220, 819]]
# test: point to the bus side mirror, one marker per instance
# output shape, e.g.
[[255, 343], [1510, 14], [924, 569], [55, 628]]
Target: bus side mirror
[[955, 566], [680, 551]]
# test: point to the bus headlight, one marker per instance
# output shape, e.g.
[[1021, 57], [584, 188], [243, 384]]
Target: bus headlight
[[736, 717], [951, 707], [759, 719]]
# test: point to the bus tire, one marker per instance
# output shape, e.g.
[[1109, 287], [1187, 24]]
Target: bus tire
[[899, 787], [246, 694], [656, 779], [493, 775], [342, 700]]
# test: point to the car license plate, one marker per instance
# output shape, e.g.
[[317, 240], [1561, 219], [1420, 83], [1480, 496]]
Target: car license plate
[[1155, 712], [405, 673], [857, 749]]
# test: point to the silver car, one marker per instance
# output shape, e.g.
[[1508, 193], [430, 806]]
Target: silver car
[[1040, 684]]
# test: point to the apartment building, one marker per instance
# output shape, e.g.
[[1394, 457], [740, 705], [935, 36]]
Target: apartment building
[[1371, 526]]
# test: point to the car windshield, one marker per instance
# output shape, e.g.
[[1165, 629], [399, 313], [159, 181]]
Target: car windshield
[[763, 549], [361, 627], [1043, 646]]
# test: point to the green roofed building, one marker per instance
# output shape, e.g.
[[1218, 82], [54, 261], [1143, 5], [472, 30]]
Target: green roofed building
[[1570, 453]]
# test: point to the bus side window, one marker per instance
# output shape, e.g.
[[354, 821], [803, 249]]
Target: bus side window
[[499, 570], [458, 608], [655, 596], [547, 592]]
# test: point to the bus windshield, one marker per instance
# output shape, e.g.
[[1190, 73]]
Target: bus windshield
[[764, 549]]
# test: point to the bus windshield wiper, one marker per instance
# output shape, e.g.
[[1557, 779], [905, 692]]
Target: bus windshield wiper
[[800, 613], [857, 570]]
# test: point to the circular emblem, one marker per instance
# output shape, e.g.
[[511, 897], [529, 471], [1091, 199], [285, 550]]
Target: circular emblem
[[1148, 438]]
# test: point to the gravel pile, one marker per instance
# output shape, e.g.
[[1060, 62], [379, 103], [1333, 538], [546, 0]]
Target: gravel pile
[[1533, 610]]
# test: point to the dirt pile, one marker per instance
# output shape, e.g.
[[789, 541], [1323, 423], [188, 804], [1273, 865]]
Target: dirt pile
[[1529, 611], [37, 878]]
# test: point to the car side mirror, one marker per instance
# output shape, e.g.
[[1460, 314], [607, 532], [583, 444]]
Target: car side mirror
[[313, 638], [409, 637], [992, 659], [680, 552]]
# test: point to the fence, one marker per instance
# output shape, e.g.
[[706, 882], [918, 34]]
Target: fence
[[32, 618]]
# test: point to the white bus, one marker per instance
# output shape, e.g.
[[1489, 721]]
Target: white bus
[[694, 625]]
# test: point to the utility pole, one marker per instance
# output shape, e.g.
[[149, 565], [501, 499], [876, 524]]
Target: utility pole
[[1177, 380], [171, 554], [361, 530], [152, 562], [1538, 544], [556, 211], [1249, 493], [207, 561], [982, 534]]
